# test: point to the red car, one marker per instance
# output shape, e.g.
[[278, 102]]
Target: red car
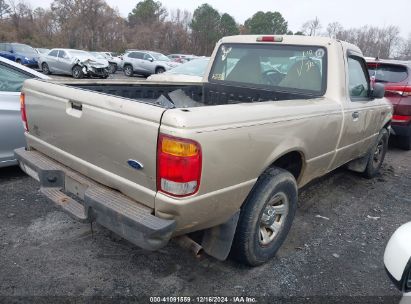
[[396, 77]]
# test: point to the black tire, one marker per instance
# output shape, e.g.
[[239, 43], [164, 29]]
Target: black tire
[[128, 70], [377, 154], [113, 68], [160, 70], [45, 68], [249, 246], [77, 72], [18, 61]]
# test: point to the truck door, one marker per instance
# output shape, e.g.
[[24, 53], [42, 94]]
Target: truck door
[[63, 62], [361, 113], [51, 60]]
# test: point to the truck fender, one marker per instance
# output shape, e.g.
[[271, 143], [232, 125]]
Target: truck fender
[[217, 240]]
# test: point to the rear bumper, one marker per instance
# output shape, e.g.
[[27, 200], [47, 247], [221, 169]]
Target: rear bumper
[[401, 130], [87, 201]]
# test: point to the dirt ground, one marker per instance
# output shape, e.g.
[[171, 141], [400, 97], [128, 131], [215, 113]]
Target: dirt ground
[[335, 248]]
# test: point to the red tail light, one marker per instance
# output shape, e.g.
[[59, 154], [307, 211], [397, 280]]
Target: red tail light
[[401, 118], [178, 166], [23, 111]]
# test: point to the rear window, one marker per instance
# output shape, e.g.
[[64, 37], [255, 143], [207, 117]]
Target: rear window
[[381, 72], [288, 68]]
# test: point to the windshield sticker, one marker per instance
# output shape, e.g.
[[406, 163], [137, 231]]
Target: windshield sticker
[[218, 77], [225, 51], [319, 53]]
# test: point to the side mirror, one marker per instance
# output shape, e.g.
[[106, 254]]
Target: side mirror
[[397, 258], [150, 59], [378, 91]]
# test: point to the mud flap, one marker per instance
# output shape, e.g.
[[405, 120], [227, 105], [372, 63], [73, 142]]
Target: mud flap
[[217, 240]]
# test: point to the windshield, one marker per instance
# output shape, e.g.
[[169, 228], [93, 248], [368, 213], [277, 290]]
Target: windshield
[[387, 72], [24, 49], [195, 67], [161, 57], [43, 51], [97, 55], [280, 67]]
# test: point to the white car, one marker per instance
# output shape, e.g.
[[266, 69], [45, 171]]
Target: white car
[[12, 76], [146, 63], [397, 260], [191, 71]]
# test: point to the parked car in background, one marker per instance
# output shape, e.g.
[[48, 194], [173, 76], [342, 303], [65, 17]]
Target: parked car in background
[[73, 62], [181, 58], [42, 50], [12, 76], [396, 77], [191, 71], [397, 260], [20, 53], [113, 62], [146, 63]]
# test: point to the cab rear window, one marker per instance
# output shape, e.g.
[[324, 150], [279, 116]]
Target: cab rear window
[[288, 68], [381, 72]]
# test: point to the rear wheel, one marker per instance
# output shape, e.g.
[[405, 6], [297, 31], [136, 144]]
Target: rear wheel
[[377, 154], [45, 68], [77, 72], [160, 70], [128, 70], [265, 217], [18, 61]]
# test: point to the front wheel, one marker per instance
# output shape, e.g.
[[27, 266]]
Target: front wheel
[[160, 70], [377, 154], [266, 217], [78, 72], [113, 68]]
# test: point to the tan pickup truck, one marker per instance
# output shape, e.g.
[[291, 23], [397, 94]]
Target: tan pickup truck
[[224, 158]]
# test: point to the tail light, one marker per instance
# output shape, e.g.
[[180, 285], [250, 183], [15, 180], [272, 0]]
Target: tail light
[[401, 118], [23, 111], [178, 166]]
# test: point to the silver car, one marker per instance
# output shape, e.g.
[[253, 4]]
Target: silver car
[[146, 63], [12, 76], [73, 62]]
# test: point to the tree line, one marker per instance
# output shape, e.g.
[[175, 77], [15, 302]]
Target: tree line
[[94, 25]]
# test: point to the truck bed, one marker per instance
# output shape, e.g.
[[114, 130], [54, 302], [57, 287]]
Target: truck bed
[[179, 95]]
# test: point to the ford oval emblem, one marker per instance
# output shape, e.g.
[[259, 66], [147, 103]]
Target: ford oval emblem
[[135, 164]]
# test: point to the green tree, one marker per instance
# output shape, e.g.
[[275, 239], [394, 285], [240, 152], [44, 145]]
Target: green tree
[[266, 23], [205, 27], [147, 12], [228, 26]]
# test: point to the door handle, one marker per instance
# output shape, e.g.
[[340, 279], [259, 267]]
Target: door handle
[[76, 106], [355, 115]]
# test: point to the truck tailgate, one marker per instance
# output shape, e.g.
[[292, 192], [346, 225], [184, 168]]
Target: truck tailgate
[[96, 134]]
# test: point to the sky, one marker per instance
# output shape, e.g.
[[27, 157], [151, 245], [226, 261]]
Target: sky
[[350, 13]]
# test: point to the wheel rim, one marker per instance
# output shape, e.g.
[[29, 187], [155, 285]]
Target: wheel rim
[[45, 68], [273, 218], [76, 73], [128, 71], [159, 71], [378, 153]]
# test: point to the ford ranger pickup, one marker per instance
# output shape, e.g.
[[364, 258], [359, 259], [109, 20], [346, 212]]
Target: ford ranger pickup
[[220, 161]]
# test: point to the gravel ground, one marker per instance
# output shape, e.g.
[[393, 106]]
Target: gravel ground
[[335, 247]]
